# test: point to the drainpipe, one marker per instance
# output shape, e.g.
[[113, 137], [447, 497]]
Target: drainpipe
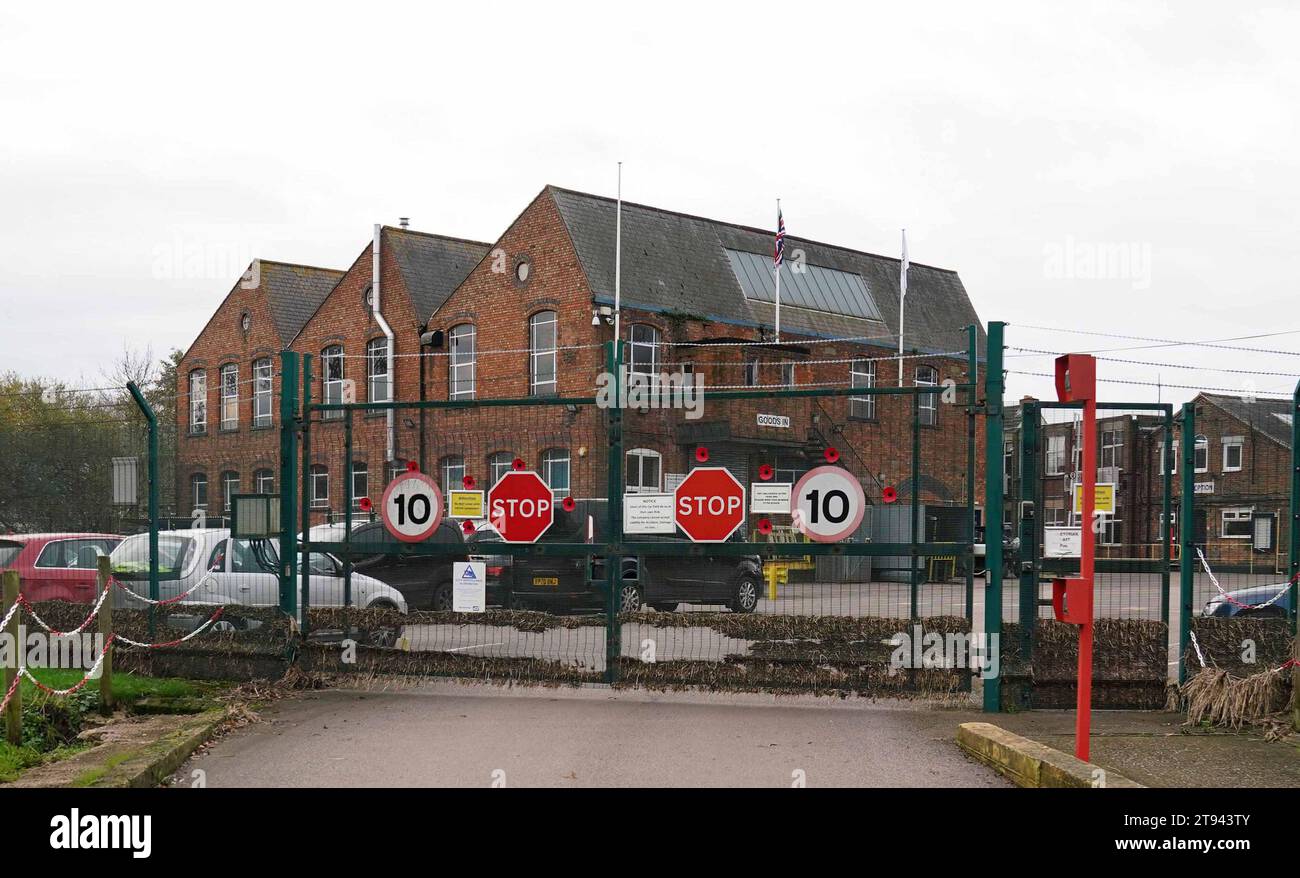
[[388, 333]]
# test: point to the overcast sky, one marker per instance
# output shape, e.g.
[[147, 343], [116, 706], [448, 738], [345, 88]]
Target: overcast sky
[[148, 155]]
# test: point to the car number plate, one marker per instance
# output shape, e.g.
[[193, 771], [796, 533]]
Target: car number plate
[[546, 580]]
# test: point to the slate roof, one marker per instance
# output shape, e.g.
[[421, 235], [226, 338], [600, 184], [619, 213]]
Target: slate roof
[[1262, 414], [432, 266], [676, 263], [293, 293]]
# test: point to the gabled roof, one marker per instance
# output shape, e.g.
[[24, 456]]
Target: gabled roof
[[676, 263], [1272, 417], [432, 266], [293, 293]]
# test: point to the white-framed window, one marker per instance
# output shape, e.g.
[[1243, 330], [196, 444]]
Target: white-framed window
[[199, 491], [1055, 462], [262, 376], [378, 387], [1233, 453], [320, 486], [360, 483], [331, 376], [1202, 453], [499, 464], [751, 373], [229, 487], [1173, 457], [643, 349], [643, 471], [862, 373], [542, 328], [198, 401], [1112, 448], [1237, 523], [555, 471], [462, 342], [229, 396], [452, 468], [928, 376], [1112, 531], [1055, 516], [264, 481], [787, 374], [1008, 464]]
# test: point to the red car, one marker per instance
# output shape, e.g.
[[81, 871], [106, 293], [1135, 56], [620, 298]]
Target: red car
[[56, 567]]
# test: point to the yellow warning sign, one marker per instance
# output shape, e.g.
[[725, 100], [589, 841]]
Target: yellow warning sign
[[1103, 498], [465, 504]]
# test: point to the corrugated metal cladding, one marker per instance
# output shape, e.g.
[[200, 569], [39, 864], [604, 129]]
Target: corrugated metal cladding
[[821, 289]]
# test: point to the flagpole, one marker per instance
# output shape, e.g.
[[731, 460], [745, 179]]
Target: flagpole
[[618, 254], [902, 304], [777, 269]]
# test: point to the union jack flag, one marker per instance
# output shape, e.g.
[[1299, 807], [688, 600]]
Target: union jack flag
[[778, 255]]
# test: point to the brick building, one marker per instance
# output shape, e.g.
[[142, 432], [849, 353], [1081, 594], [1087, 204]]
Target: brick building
[[529, 315]]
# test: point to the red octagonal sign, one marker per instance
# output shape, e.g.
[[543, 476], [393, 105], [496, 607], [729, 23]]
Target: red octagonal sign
[[709, 504], [520, 507]]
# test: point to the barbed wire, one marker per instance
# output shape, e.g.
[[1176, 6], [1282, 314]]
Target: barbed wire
[[1237, 391], [1167, 342], [1038, 352]]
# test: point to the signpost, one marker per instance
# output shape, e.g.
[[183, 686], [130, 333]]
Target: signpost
[[469, 587], [1103, 500], [828, 504], [411, 507], [521, 507], [709, 504], [648, 514]]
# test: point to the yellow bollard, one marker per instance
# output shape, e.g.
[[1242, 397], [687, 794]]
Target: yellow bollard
[[771, 582]]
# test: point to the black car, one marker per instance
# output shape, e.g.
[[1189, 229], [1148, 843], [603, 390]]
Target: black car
[[424, 580], [659, 581]]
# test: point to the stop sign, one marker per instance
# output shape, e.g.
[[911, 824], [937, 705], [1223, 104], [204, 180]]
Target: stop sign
[[520, 507], [709, 504]]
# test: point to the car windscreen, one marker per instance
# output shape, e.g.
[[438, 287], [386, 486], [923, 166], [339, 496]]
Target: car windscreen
[[130, 559], [9, 550]]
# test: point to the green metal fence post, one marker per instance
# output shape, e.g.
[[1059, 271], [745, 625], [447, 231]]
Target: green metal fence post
[[304, 601], [1294, 549], [913, 536], [288, 480], [1029, 529], [1166, 513], [348, 500], [614, 519], [152, 466], [993, 389], [1186, 537], [972, 402]]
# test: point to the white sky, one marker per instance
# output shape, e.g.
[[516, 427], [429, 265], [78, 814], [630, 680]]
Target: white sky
[[1008, 138]]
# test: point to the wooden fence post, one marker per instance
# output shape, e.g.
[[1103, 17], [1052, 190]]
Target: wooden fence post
[[14, 712], [105, 632]]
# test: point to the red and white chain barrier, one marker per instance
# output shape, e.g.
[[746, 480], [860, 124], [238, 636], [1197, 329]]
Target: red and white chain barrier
[[1200, 657], [166, 601], [94, 611], [92, 674], [4, 623], [195, 633], [13, 687], [1236, 603]]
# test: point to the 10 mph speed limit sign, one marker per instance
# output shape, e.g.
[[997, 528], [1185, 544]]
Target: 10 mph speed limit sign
[[412, 507], [828, 504]]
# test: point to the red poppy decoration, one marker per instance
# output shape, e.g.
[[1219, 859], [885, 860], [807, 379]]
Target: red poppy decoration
[[832, 454], [467, 526], [568, 504], [365, 504], [888, 494], [518, 464], [765, 473], [468, 482], [764, 526], [702, 454], [412, 466]]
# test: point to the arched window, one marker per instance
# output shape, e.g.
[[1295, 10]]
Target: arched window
[[862, 373], [199, 491], [230, 397], [262, 373], [499, 464], [460, 363], [642, 351], [331, 376], [1202, 455], [542, 328], [320, 486], [555, 471], [198, 401], [229, 488], [452, 468], [928, 376], [643, 471], [378, 387]]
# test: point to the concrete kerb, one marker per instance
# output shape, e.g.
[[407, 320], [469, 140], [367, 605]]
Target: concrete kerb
[[1028, 763]]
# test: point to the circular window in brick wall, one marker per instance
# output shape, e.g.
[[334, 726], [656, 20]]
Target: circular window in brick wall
[[523, 270], [245, 321]]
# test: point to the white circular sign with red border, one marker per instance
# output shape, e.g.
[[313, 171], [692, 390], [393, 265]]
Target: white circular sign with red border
[[828, 504], [412, 507]]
